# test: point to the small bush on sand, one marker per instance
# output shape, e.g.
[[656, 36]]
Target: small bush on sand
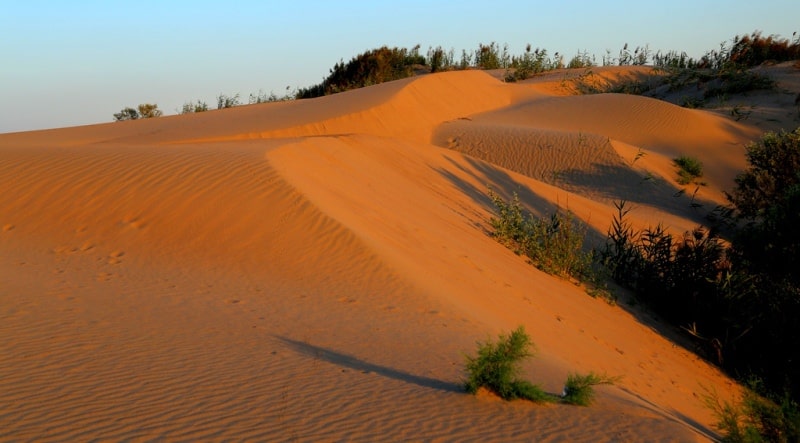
[[579, 389], [689, 169], [496, 368]]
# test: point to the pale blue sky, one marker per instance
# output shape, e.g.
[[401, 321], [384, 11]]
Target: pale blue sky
[[72, 63]]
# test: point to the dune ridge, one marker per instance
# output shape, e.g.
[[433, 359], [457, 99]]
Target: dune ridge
[[315, 270]]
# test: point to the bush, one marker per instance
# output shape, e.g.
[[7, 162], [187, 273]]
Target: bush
[[440, 60], [226, 101], [689, 169], [190, 108], [766, 250], [126, 114], [531, 63], [681, 279], [579, 389], [755, 418], [496, 368], [739, 302], [489, 57], [774, 171], [370, 68], [553, 244], [145, 110], [148, 110]]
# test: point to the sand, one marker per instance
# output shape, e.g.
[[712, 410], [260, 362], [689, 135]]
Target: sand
[[316, 270]]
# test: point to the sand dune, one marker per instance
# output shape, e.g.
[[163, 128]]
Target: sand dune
[[315, 270]]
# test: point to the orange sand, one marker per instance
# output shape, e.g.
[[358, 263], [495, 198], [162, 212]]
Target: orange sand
[[315, 270]]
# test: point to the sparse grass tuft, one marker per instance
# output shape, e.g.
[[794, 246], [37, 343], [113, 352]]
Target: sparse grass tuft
[[579, 389]]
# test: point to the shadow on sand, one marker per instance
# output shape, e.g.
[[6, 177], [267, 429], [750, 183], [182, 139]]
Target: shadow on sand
[[351, 362]]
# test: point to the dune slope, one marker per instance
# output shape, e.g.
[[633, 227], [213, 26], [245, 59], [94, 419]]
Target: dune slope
[[316, 270]]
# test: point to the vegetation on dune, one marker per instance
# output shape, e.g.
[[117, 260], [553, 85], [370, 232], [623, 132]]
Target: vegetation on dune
[[739, 302], [554, 244], [145, 110], [190, 108], [716, 74], [689, 169], [738, 299], [228, 101], [496, 367], [369, 68], [755, 418], [579, 388]]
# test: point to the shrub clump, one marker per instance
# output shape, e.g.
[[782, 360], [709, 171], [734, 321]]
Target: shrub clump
[[755, 418], [496, 368], [739, 301], [579, 389], [689, 169], [145, 110], [553, 244], [369, 68]]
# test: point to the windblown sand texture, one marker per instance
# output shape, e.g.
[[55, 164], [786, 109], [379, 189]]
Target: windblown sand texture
[[316, 270]]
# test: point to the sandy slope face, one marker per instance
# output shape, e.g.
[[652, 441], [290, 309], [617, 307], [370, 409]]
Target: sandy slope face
[[315, 271], [572, 141]]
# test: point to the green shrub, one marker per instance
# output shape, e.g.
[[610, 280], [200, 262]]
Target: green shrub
[[126, 114], [667, 272], [553, 244], [689, 169], [145, 110], [226, 101], [440, 60], [774, 170], [579, 389], [755, 418], [531, 63], [488, 56], [370, 68], [496, 368], [190, 108]]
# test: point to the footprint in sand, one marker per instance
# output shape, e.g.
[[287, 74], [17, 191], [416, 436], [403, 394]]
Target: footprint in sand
[[134, 223], [115, 257]]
